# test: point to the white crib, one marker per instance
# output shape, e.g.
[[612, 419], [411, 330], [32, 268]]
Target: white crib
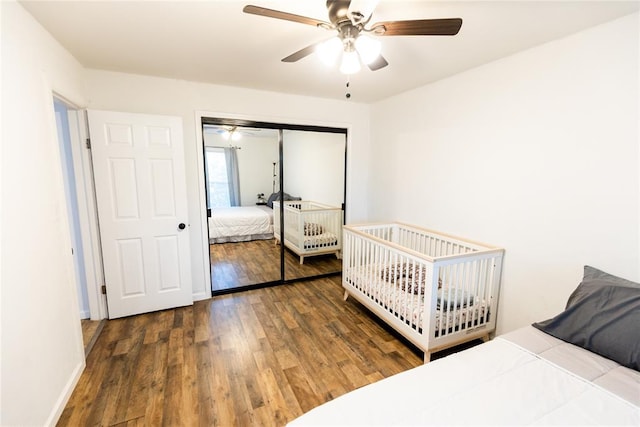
[[436, 290], [310, 228]]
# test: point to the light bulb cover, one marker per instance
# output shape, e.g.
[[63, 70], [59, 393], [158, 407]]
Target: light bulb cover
[[329, 51], [368, 48], [225, 134], [350, 63], [236, 136]]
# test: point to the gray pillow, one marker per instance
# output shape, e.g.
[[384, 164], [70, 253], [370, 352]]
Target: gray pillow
[[450, 299], [276, 196], [603, 316], [594, 277], [289, 197]]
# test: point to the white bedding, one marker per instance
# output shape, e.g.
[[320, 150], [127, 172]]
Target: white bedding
[[240, 223], [526, 377]]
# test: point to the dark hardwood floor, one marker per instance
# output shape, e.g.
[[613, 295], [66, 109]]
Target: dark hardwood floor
[[260, 357], [258, 261]]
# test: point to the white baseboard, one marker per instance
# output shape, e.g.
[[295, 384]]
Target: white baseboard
[[201, 295], [65, 395]]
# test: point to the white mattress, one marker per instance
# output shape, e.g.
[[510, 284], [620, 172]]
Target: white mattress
[[326, 240], [408, 306], [243, 221], [526, 377]]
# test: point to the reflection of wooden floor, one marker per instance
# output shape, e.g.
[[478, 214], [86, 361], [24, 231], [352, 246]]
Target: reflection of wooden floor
[[250, 263], [90, 331]]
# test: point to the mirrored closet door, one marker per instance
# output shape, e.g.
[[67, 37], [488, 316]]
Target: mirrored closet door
[[314, 177], [239, 173], [275, 202]]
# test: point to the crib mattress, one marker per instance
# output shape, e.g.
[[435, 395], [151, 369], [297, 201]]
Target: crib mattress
[[320, 241], [410, 307]]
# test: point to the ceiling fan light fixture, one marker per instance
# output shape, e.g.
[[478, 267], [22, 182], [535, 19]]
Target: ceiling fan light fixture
[[350, 63], [329, 51], [368, 48], [350, 18], [236, 136]]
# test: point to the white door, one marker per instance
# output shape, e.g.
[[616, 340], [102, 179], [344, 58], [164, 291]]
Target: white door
[[139, 171]]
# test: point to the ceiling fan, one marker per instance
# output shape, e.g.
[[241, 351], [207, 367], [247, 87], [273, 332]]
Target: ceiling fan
[[235, 133], [353, 40]]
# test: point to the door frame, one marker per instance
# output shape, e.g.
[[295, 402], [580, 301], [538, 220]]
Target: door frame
[[87, 208], [252, 121]]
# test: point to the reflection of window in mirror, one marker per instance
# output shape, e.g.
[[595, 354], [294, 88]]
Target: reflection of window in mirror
[[239, 169], [217, 178]]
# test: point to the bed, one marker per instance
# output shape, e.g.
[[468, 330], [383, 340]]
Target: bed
[[436, 290], [581, 367], [310, 228], [240, 224]]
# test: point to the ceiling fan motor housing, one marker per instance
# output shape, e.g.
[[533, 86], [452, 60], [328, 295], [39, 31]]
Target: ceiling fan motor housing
[[338, 11]]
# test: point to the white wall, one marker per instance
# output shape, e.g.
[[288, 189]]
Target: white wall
[[537, 153], [143, 94], [314, 166], [255, 161], [41, 339]]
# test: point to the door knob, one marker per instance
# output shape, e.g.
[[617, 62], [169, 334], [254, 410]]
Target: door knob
[[181, 226]]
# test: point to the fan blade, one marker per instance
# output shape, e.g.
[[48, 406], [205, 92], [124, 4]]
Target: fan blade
[[270, 13], [419, 27], [380, 62], [302, 53]]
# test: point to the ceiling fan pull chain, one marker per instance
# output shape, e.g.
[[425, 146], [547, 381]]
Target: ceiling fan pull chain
[[348, 94]]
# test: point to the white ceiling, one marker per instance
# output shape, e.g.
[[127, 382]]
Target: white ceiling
[[214, 41]]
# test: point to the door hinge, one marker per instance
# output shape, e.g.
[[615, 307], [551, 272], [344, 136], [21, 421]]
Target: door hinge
[[103, 289], [89, 143]]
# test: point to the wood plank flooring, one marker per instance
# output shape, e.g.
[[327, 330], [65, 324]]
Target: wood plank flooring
[[260, 357], [249, 263]]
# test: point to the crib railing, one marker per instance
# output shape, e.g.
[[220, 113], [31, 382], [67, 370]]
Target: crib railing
[[434, 288], [426, 242], [309, 227]]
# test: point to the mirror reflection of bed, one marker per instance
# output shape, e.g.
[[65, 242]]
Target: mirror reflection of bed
[[243, 179]]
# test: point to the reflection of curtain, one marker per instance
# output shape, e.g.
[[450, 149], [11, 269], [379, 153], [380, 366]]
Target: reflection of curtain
[[233, 176]]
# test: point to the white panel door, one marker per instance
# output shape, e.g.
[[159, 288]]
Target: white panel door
[[138, 162]]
